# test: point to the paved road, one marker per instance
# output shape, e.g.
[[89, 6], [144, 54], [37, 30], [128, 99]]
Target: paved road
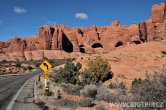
[[10, 85]]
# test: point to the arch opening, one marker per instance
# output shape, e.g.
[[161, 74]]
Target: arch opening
[[66, 44], [119, 43], [82, 48], [97, 45], [136, 42]]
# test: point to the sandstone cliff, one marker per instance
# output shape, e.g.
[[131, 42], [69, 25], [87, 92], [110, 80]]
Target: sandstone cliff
[[95, 39]]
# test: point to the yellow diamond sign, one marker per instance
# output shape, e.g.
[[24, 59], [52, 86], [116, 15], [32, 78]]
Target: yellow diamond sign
[[45, 76], [45, 66]]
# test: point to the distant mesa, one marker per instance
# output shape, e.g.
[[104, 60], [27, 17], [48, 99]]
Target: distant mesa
[[95, 39]]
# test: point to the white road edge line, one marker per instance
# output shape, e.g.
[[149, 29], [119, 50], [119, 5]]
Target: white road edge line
[[9, 107], [35, 89]]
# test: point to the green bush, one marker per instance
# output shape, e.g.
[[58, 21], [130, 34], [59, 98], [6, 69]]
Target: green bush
[[121, 85], [136, 81], [87, 78], [117, 85], [17, 63], [98, 72], [29, 68], [163, 52], [100, 68], [68, 74], [112, 85], [37, 64]]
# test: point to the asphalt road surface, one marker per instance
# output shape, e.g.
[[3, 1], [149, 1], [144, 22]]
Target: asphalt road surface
[[10, 85]]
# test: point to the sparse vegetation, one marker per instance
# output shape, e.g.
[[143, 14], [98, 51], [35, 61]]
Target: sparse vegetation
[[68, 74], [112, 85], [86, 102], [89, 91], [101, 108], [29, 68], [151, 89], [71, 89], [37, 64], [17, 63], [100, 68], [4, 61], [119, 85], [87, 78], [66, 103], [106, 96]]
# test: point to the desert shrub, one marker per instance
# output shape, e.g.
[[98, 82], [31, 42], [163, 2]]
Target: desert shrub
[[106, 96], [66, 102], [102, 89], [3, 61], [89, 91], [100, 68], [151, 89], [51, 61], [1, 73], [121, 85], [37, 64], [71, 89], [117, 85], [112, 97], [86, 102], [103, 93], [87, 78], [163, 52], [100, 108], [68, 74], [112, 85], [29, 68], [17, 63], [136, 81]]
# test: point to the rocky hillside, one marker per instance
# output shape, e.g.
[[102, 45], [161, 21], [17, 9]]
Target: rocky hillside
[[131, 62], [95, 39]]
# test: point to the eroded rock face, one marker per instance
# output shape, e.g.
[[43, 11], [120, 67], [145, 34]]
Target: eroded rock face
[[155, 27], [158, 13], [93, 39]]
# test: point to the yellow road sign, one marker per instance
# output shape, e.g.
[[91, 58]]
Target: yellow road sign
[[45, 76], [45, 66]]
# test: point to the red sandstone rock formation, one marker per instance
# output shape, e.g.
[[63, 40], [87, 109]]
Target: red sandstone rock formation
[[94, 39]]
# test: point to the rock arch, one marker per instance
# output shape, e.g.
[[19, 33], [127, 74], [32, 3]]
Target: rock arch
[[66, 44], [82, 48], [119, 43], [97, 45], [136, 42]]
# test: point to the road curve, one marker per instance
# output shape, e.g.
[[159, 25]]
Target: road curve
[[9, 86]]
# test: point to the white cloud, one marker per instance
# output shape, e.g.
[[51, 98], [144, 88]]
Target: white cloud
[[51, 22], [81, 16], [19, 10]]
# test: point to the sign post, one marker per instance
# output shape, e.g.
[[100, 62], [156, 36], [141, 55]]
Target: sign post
[[45, 80], [45, 66], [45, 77]]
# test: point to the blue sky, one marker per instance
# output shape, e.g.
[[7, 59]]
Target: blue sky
[[23, 17]]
